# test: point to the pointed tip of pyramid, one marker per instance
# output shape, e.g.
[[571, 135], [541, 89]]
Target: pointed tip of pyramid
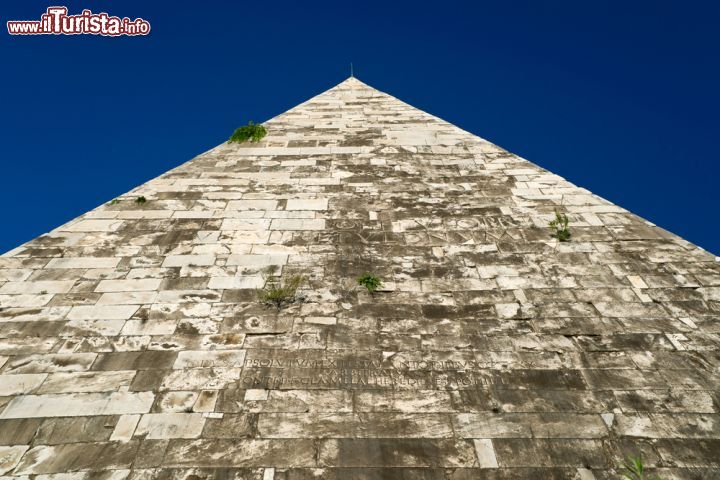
[[350, 81]]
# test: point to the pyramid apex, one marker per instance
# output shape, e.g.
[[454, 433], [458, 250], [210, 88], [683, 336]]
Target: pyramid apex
[[351, 80]]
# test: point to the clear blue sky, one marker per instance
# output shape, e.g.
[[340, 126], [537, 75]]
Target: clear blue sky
[[621, 98]]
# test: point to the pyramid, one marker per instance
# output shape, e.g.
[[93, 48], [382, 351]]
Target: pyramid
[[134, 345]]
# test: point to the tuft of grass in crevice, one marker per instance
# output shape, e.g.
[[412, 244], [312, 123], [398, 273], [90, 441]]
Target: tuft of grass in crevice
[[635, 470], [140, 200], [279, 292], [560, 227], [370, 282], [252, 132]]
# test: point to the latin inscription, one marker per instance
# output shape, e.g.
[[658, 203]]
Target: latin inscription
[[360, 373]]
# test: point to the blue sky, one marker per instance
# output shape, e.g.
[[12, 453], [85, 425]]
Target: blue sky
[[621, 98]]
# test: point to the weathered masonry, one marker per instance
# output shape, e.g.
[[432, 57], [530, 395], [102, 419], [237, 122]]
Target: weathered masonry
[[133, 345]]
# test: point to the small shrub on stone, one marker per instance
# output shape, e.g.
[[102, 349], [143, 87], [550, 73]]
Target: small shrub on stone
[[371, 282], [279, 291], [560, 227], [140, 200], [251, 131]]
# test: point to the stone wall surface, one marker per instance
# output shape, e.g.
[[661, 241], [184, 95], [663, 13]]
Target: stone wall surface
[[133, 346]]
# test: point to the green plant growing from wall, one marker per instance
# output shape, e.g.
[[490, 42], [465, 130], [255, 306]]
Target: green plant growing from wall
[[635, 470], [279, 291], [560, 227], [114, 201], [251, 131], [140, 200], [371, 282]]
